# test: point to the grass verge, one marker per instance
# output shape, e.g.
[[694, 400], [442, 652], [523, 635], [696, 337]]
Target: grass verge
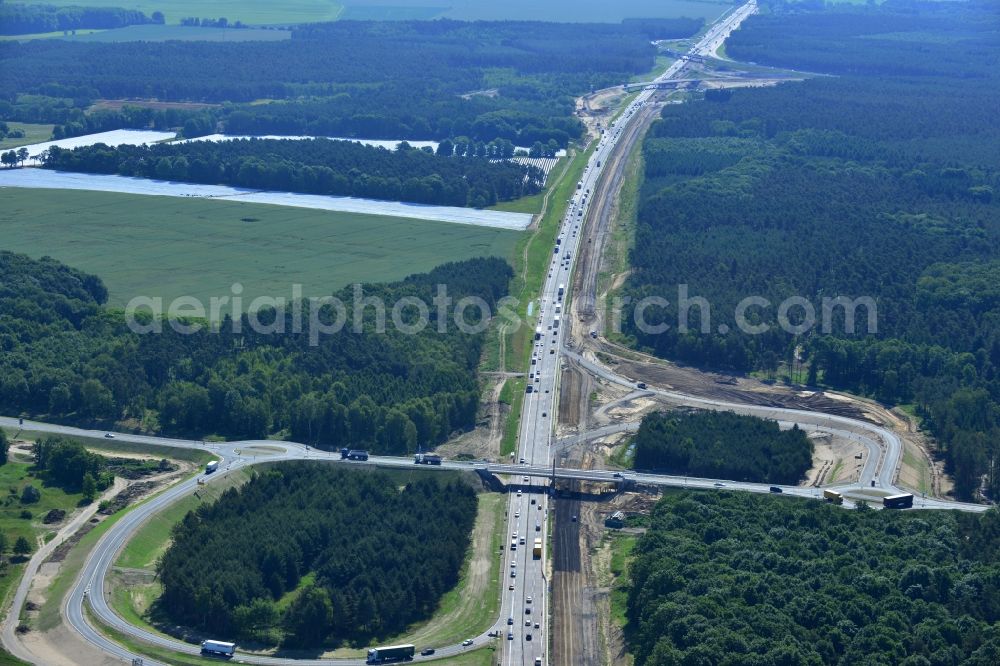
[[622, 546]]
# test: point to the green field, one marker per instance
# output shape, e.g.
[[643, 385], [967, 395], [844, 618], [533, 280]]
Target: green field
[[255, 12], [162, 33], [169, 247], [32, 134], [550, 10]]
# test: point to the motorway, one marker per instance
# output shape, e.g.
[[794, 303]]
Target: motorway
[[529, 506]]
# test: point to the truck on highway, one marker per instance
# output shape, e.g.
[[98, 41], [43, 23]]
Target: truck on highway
[[536, 551], [355, 454], [538, 332], [555, 322], [382, 655], [427, 459], [211, 467], [220, 648], [833, 496], [903, 501], [513, 543]]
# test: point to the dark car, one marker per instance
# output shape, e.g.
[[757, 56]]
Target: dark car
[[776, 489], [428, 652]]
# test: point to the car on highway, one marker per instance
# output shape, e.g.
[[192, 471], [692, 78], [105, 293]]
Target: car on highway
[[522, 461], [527, 623], [527, 611], [510, 620], [538, 661], [467, 642], [510, 635], [720, 485], [525, 479], [517, 514], [641, 385], [108, 435], [527, 637], [536, 625], [511, 587], [775, 489], [518, 492], [513, 573], [618, 475], [427, 652], [527, 600]]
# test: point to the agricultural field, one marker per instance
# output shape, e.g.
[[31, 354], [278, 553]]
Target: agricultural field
[[162, 33], [252, 12], [170, 247], [532, 10], [32, 134]]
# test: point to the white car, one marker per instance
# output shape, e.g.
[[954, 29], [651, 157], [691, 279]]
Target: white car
[[467, 642], [108, 435]]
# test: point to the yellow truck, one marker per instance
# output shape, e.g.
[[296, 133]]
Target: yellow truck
[[833, 496]]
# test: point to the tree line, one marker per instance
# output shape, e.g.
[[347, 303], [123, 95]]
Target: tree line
[[724, 578], [859, 185], [24, 19], [314, 166], [378, 556], [69, 358], [722, 445]]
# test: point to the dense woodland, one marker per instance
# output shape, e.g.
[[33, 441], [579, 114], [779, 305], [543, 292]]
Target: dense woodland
[[316, 166], [733, 579], [879, 182], [67, 357], [22, 19], [722, 445], [376, 80], [379, 556]]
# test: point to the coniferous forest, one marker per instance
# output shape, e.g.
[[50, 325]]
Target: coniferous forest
[[378, 556], [880, 181], [67, 357], [414, 80], [722, 445], [734, 578]]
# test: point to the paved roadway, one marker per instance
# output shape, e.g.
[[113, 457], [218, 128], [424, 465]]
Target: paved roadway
[[527, 519], [525, 645]]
